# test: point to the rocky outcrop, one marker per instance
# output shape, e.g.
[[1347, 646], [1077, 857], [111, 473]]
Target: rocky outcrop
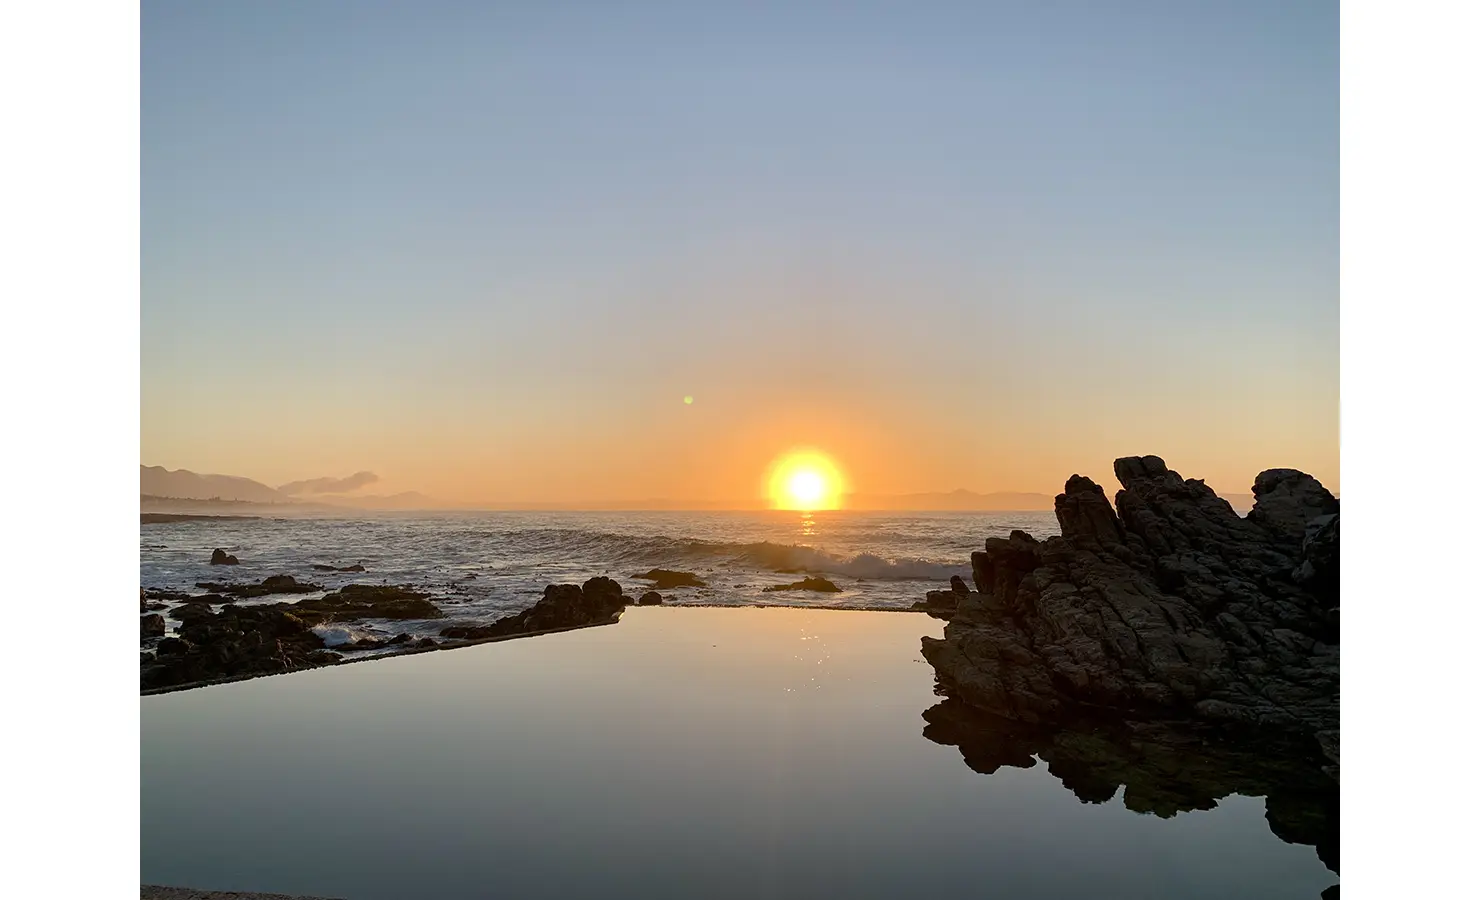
[[597, 602], [235, 642], [221, 558], [651, 598], [665, 579], [1167, 604], [321, 567], [810, 583], [1166, 767], [244, 641]]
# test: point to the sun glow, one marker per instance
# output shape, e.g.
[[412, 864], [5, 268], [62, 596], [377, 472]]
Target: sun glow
[[805, 480]]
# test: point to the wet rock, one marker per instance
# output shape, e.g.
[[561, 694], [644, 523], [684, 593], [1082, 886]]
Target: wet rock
[[810, 583], [958, 586], [235, 642], [320, 567], [366, 601], [220, 557], [1167, 602], [651, 598], [273, 584], [160, 594], [597, 602], [151, 626], [664, 579]]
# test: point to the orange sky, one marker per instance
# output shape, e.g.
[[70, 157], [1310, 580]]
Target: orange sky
[[982, 255]]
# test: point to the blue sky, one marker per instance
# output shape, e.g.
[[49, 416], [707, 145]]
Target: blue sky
[[1042, 232]]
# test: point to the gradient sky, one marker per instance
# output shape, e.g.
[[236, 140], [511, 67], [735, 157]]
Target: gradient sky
[[484, 250]]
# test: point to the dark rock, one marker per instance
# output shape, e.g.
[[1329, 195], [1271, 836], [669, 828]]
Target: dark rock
[[651, 598], [366, 601], [273, 584], [1168, 603], [155, 607], [425, 642], [187, 611], [810, 583], [171, 646], [221, 558], [1166, 767], [235, 642], [151, 626], [941, 604], [597, 602], [664, 579], [1319, 570], [958, 586], [320, 567], [159, 594]]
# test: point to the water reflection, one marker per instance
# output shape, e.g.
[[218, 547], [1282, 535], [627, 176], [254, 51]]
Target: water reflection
[[1166, 768], [809, 525]]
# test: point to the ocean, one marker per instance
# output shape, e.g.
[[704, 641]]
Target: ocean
[[480, 566]]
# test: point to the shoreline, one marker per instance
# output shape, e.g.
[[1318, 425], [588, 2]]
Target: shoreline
[[473, 642]]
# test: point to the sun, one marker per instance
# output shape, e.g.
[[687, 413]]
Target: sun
[[805, 480]]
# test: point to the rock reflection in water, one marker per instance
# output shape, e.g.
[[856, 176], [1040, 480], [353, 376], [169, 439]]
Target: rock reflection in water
[[1166, 768]]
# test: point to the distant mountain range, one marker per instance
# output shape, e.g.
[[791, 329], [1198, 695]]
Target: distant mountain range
[[160, 488], [184, 484]]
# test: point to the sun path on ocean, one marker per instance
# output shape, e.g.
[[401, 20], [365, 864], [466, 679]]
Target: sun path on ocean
[[805, 480]]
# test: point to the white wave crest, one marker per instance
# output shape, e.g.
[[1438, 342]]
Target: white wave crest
[[339, 635]]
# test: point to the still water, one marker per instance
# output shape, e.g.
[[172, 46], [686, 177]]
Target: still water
[[680, 753]]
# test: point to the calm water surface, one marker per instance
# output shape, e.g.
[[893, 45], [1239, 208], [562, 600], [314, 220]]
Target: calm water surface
[[681, 753]]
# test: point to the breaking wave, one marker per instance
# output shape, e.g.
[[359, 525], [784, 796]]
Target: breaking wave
[[665, 551]]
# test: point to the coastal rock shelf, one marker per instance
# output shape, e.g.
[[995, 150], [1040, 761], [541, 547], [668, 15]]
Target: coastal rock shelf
[[1166, 605], [247, 641]]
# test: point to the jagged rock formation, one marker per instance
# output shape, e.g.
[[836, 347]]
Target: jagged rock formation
[[1167, 604], [220, 557]]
